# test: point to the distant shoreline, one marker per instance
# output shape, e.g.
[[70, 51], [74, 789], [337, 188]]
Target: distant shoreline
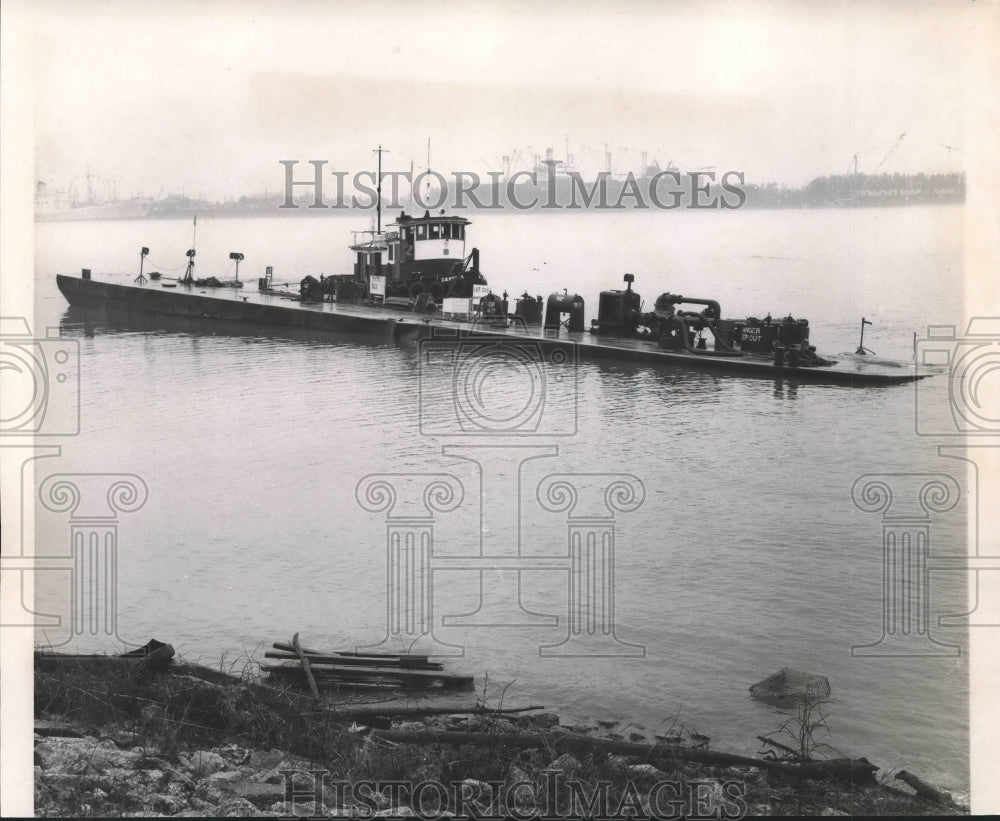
[[663, 191], [94, 214]]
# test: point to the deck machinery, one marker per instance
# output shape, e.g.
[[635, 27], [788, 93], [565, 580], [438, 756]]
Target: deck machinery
[[674, 326]]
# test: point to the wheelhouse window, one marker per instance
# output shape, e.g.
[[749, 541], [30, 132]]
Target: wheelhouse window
[[421, 232], [435, 231]]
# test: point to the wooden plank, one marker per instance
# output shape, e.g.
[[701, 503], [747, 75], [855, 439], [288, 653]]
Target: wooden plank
[[405, 657], [305, 666], [360, 661], [362, 711], [400, 656], [369, 673], [398, 672]]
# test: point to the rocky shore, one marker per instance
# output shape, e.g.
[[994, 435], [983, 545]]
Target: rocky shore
[[187, 742]]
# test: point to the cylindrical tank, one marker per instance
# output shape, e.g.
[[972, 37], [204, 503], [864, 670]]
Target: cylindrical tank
[[793, 331], [559, 304], [347, 291], [492, 306], [529, 308]]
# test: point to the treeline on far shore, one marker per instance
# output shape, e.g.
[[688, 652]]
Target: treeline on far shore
[[667, 191], [676, 190], [849, 190]]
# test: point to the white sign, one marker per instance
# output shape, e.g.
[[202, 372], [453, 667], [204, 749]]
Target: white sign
[[455, 305], [478, 292], [376, 286]]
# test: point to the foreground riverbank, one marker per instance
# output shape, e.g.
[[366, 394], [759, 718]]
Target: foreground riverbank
[[176, 739]]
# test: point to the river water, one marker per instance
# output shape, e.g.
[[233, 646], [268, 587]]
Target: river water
[[746, 555]]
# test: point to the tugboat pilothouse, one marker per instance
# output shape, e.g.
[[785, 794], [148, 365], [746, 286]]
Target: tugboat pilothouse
[[415, 258], [418, 255]]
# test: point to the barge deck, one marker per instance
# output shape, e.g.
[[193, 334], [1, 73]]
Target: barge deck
[[395, 324]]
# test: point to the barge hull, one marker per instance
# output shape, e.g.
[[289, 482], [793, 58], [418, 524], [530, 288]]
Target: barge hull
[[110, 296], [375, 323]]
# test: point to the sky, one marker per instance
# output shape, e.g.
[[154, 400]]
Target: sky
[[205, 98]]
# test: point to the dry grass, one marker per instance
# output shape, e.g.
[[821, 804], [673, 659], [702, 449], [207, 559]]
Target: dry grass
[[174, 712]]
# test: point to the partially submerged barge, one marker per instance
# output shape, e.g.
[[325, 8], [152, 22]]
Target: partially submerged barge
[[415, 282]]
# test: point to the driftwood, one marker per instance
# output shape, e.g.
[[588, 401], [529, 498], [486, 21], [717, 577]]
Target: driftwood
[[925, 790], [365, 711], [305, 666], [857, 770], [61, 729], [154, 657], [353, 660], [373, 676], [209, 674], [278, 645], [783, 747], [350, 668]]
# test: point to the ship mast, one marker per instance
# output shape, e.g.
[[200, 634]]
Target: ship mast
[[378, 188]]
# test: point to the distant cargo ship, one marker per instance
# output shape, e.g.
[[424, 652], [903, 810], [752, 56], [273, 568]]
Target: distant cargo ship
[[126, 209]]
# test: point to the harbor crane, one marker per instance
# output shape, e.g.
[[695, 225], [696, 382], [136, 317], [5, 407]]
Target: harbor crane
[[890, 152]]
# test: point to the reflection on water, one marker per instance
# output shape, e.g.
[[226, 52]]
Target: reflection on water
[[786, 389], [88, 320]]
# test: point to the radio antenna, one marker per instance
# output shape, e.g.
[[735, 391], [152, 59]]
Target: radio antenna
[[428, 167], [378, 188], [409, 206]]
